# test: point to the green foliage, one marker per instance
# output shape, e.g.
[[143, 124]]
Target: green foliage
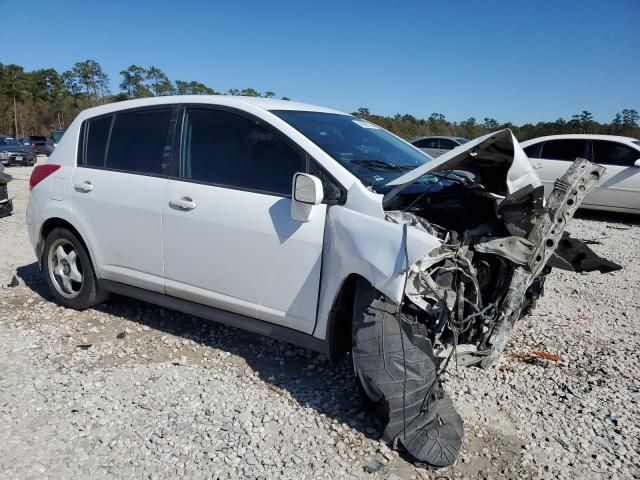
[[88, 75], [193, 88], [408, 126], [159, 83], [133, 82], [43, 100]]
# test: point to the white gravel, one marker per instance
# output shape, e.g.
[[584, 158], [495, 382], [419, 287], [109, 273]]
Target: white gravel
[[130, 390]]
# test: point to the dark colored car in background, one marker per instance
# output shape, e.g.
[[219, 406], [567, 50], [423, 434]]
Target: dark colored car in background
[[437, 145], [14, 152], [6, 205], [56, 135], [40, 144]]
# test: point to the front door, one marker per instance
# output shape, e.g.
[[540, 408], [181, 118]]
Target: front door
[[620, 186], [229, 240]]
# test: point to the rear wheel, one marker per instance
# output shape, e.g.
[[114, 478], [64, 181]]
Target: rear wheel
[[69, 272]]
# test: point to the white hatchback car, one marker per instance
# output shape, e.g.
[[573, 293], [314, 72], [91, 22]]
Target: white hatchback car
[[619, 188], [311, 226]]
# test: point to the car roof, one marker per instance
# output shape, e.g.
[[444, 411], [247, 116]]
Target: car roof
[[579, 136], [224, 100]]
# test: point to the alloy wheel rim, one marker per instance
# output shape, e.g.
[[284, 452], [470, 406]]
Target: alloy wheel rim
[[65, 268]]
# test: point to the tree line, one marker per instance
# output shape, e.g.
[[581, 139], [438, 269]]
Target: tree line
[[39, 101], [625, 123]]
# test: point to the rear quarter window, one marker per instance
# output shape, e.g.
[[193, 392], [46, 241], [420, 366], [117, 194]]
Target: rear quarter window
[[97, 134]]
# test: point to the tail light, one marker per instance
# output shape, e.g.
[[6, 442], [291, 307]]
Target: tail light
[[40, 173]]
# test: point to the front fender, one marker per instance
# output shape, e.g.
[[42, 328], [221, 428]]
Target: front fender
[[368, 246]]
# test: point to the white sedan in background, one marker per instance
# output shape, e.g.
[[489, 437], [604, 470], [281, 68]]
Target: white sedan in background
[[619, 188]]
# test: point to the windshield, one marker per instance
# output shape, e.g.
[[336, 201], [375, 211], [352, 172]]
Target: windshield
[[4, 141], [371, 153], [637, 142], [461, 140], [57, 135]]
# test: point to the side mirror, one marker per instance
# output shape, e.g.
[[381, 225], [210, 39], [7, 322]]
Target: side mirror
[[306, 193], [636, 163]]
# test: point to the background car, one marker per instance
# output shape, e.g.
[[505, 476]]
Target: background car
[[56, 135], [40, 144], [436, 146], [618, 190], [6, 205], [12, 152]]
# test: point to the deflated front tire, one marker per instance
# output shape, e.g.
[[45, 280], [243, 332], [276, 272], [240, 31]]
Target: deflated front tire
[[397, 372]]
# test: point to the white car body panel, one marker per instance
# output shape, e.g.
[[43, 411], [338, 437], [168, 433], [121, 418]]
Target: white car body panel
[[241, 251], [618, 189], [358, 240]]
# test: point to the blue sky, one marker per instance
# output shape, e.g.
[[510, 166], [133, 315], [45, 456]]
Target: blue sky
[[519, 61]]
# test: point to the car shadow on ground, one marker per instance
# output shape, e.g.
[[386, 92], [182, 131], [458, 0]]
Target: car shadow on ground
[[310, 379], [609, 217]]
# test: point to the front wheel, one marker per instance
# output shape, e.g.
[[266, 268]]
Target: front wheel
[[68, 271]]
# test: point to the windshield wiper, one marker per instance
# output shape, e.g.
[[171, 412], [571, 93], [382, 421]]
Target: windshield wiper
[[381, 164]]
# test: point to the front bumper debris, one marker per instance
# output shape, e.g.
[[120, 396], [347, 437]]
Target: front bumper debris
[[463, 300]]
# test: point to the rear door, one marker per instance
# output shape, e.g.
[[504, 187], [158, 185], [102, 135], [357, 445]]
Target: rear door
[[229, 240], [552, 159], [118, 192], [620, 186]]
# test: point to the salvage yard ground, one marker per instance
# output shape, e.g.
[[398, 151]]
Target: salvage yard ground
[[130, 390]]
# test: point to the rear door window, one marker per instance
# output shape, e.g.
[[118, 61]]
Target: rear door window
[[614, 153], [228, 149], [568, 149], [140, 141]]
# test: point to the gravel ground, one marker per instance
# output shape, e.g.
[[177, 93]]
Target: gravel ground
[[130, 390]]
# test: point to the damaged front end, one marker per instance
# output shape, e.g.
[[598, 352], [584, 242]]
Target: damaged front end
[[6, 205], [498, 241]]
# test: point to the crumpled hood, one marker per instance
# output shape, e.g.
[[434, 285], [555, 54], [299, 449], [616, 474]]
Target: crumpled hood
[[497, 158]]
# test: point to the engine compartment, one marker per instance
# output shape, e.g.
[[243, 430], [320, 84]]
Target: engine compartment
[[490, 245]]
